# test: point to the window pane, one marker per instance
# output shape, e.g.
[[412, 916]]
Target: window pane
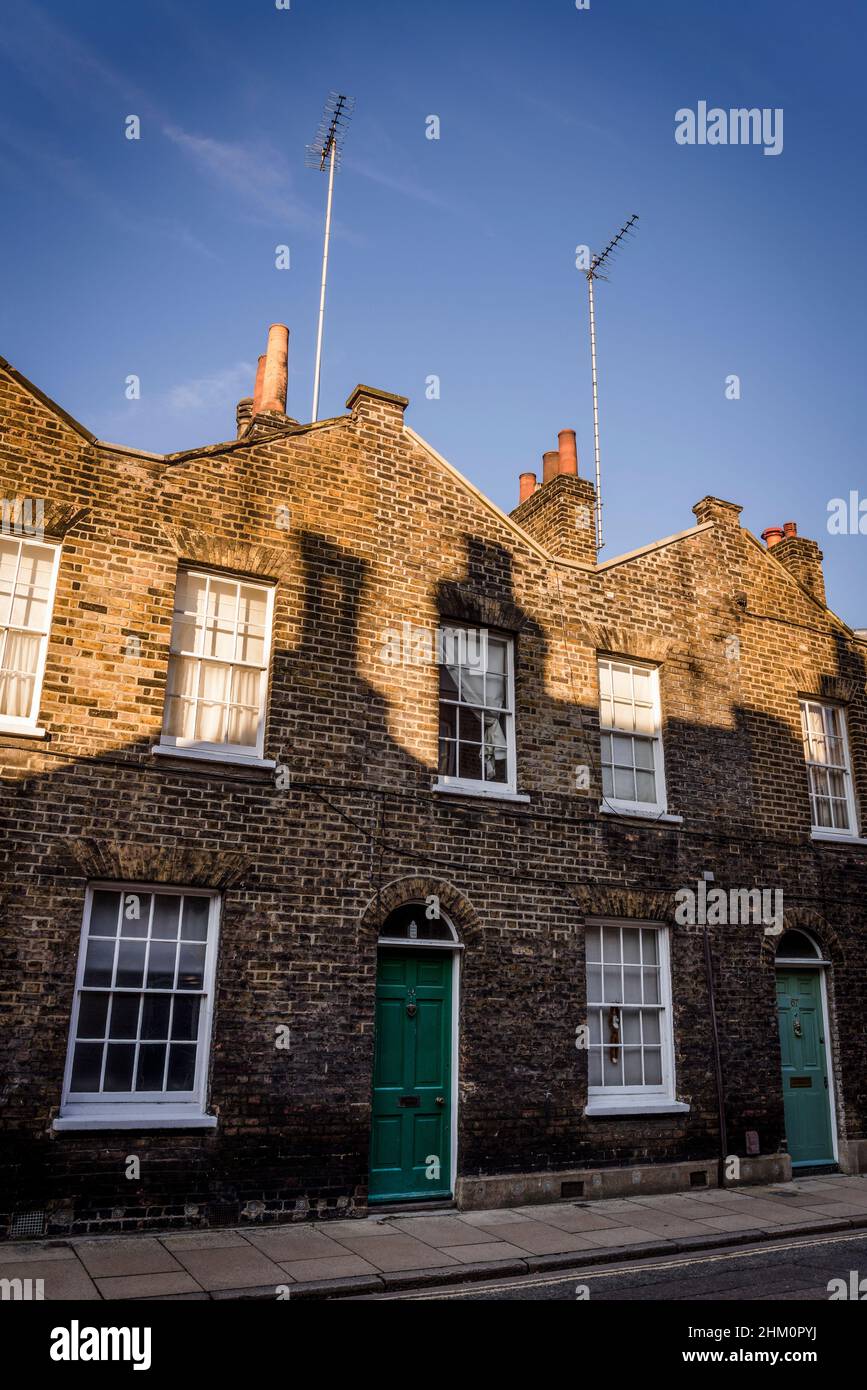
[[645, 787], [86, 1066], [649, 947], [645, 721], [130, 964], [448, 721], [448, 766], [594, 1067], [632, 1066], [151, 1067], [611, 944], [472, 687], [632, 945], [470, 724], [621, 681], [624, 784], [607, 782], [161, 965], [124, 1016], [650, 1025], [195, 923], [119, 1061], [167, 911], [182, 1067], [470, 762], [612, 984], [632, 984], [651, 986], [92, 1015], [185, 1017], [612, 1071], [155, 1016], [643, 752], [191, 969], [99, 962], [496, 656], [495, 692], [449, 682], [496, 769], [104, 912], [631, 1026], [135, 914], [594, 1026], [652, 1067], [594, 984], [593, 944]]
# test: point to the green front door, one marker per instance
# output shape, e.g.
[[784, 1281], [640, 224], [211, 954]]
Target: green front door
[[806, 1098], [410, 1142]]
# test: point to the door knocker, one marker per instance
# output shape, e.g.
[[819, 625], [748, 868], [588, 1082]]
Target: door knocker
[[796, 1022], [411, 1009]]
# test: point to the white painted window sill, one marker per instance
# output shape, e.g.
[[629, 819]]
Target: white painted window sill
[[822, 838], [23, 730], [599, 1109], [480, 792], [126, 1117], [653, 817], [165, 750]]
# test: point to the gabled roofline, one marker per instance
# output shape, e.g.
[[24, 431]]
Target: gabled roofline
[[27, 385], [494, 509], [779, 566], [656, 545]]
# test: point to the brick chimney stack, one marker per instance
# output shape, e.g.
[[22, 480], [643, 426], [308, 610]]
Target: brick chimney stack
[[560, 513], [801, 557]]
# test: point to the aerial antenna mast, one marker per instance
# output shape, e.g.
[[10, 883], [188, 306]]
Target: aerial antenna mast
[[594, 272], [325, 152]]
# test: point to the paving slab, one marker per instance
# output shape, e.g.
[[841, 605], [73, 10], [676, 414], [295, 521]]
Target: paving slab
[[295, 1243], [482, 1254], [31, 1250], [62, 1279], [441, 1230], [393, 1252], [500, 1216], [535, 1239], [579, 1220], [333, 1267], [733, 1221], [204, 1240], [126, 1256], [621, 1236], [148, 1285], [232, 1268]]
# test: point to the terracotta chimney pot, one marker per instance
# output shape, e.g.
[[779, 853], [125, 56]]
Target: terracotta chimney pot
[[276, 374], [526, 486], [257, 389], [790, 528], [550, 465], [772, 536], [568, 452]]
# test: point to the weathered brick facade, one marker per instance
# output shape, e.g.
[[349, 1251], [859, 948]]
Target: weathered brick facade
[[381, 531]]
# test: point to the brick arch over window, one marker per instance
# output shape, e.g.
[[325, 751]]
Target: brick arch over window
[[212, 552], [122, 862], [816, 926], [635, 903], [459, 909], [632, 642], [812, 681]]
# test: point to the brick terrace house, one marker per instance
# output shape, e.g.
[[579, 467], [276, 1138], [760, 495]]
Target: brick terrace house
[[346, 818]]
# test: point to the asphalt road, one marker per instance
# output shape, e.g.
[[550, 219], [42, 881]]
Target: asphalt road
[[794, 1269]]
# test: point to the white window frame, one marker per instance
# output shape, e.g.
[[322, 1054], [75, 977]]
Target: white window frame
[[829, 832], [203, 748], [638, 808], [20, 724], [661, 1097], [481, 787], [144, 1109]]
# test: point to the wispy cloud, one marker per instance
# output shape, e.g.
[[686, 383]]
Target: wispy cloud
[[255, 172], [407, 188], [227, 384]]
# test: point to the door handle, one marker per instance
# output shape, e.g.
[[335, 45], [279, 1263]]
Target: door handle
[[440, 1100]]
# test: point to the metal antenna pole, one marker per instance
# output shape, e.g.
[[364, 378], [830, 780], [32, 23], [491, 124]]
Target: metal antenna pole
[[599, 541], [318, 368], [327, 149], [594, 273]]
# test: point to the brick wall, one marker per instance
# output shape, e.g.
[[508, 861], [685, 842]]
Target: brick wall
[[382, 532]]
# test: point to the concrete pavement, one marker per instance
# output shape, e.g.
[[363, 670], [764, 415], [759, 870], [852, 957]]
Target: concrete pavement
[[380, 1253]]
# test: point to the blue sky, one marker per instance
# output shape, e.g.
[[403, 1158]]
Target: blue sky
[[456, 257]]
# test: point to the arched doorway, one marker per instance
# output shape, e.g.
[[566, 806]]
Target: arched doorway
[[413, 1136], [802, 1013]]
